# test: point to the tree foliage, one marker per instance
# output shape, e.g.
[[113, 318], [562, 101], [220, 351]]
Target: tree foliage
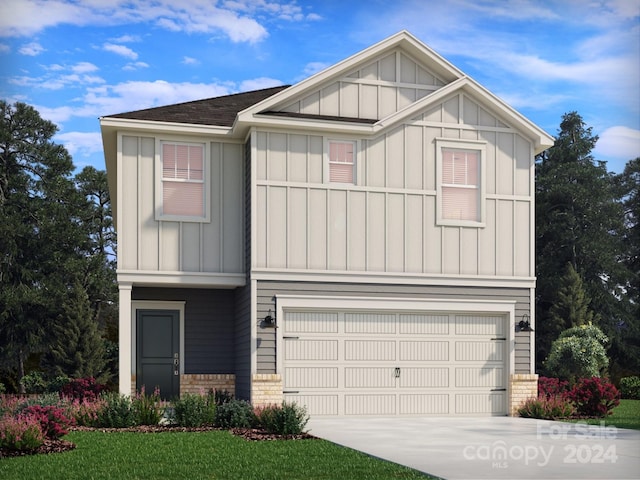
[[52, 239]]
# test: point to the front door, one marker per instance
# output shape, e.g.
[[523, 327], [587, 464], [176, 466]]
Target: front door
[[158, 352]]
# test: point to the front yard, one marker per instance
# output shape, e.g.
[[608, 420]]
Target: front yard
[[195, 455]]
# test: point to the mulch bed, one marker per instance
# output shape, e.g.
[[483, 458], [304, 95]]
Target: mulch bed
[[57, 446]]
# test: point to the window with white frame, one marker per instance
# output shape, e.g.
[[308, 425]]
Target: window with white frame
[[182, 183], [341, 161], [460, 182]]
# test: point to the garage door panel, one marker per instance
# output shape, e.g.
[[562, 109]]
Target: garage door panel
[[479, 325], [423, 351], [424, 404], [369, 322], [490, 377], [423, 377], [316, 404], [421, 324], [295, 349], [369, 377], [492, 351], [311, 322], [369, 350], [370, 404], [311, 377], [494, 403]]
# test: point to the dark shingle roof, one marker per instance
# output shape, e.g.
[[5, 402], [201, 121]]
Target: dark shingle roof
[[321, 117], [220, 111]]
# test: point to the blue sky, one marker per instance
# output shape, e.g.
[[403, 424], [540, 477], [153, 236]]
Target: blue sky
[[75, 61]]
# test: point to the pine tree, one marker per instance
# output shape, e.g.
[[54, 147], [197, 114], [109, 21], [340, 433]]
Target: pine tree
[[571, 307]]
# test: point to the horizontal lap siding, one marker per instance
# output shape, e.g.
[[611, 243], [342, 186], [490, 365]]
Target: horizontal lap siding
[[267, 290], [209, 326]]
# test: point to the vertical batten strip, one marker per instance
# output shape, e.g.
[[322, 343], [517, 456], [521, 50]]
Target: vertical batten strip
[[221, 207], [138, 203]]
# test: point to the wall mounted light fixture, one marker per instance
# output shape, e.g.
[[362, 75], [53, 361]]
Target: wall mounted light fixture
[[269, 320], [525, 324]]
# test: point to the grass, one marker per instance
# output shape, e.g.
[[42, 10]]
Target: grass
[[625, 415], [200, 455]]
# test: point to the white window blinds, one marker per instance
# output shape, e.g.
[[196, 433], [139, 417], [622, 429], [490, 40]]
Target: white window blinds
[[341, 162], [460, 185], [183, 180]]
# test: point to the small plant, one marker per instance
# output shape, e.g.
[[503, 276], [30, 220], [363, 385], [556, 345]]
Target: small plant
[[547, 408], [22, 432], [147, 408], [82, 389], [285, 419], [116, 411], [630, 388], [235, 414], [553, 387], [34, 382], [53, 421], [56, 384], [594, 397], [222, 396], [44, 400], [193, 410], [85, 413], [2, 388]]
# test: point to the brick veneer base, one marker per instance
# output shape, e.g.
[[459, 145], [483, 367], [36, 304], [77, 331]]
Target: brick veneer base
[[266, 389], [199, 383], [521, 387]]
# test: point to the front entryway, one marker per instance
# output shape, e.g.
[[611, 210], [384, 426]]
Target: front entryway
[[158, 352]]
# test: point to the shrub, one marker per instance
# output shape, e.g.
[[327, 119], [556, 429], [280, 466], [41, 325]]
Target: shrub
[[553, 387], [116, 412], [222, 396], [44, 400], [194, 410], [235, 414], [548, 408], [578, 352], [85, 412], [2, 388], [57, 383], [285, 419], [82, 389], [22, 432], [630, 388], [147, 408], [53, 421], [34, 382], [594, 397]]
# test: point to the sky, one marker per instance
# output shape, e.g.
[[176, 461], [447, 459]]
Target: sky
[[78, 60]]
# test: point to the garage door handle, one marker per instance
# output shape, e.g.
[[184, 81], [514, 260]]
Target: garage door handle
[[290, 391], [290, 338], [397, 373], [499, 338], [498, 389]]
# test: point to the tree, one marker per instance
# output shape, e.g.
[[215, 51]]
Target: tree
[[571, 306], [579, 220]]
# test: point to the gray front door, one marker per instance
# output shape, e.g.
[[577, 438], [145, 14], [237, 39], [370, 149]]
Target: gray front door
[[158, 352]]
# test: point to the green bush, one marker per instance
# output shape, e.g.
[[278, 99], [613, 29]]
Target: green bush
[[579, 352], [548, 408], [22, 432], [630, 388], [117, 411], [44, 400], [193, 410], [285, 419], [34, 382], [147, 408], [3, 389], [235, 414], [222, 396]]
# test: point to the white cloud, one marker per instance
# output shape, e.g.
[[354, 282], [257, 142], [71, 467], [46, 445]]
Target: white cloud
[[120, 50], [127, 39], [135, 66], [81, 143], [31, 49], [4, 48], [190, 61], [84, 67], [259, 84], [618, 142]]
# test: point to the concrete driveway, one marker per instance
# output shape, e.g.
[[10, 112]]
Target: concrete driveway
[[491, 447]]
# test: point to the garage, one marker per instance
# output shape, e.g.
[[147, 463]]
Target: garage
[[395, 362]]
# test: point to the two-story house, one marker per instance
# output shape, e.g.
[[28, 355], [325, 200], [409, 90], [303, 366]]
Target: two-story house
[[361, 242]]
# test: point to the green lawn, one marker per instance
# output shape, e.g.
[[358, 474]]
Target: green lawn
[[199, 455], [625, 415]]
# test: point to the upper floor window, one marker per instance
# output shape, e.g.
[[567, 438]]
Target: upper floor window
[[460, 186], [182, 183], [341, 161]]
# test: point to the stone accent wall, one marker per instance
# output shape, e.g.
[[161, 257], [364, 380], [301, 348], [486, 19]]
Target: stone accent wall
[[521, 387], [202, 383], [266, 389]]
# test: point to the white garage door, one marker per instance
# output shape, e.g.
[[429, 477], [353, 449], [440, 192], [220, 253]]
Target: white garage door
[[395, 363]]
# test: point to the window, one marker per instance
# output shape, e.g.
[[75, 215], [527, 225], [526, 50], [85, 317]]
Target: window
[[341, 161], [460, 185], [183, 185]]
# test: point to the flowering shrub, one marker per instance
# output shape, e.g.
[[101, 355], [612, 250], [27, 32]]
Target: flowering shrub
[[82, 388], [552, 387], [85, 412], [53, 421], [22, 432], [147, 408], [549, 408], [594, 397]]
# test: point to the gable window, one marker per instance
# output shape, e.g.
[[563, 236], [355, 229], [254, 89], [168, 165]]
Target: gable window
[[460, 186], [182, 183], [341, 161]]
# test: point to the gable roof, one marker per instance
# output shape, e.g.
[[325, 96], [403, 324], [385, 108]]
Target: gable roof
[[219, 111]]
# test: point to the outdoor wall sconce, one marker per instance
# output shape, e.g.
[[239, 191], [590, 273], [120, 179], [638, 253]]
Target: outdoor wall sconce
[[269, 321], [524, 324]]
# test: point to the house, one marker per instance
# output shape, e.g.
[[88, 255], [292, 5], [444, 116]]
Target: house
[[361, 242]]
